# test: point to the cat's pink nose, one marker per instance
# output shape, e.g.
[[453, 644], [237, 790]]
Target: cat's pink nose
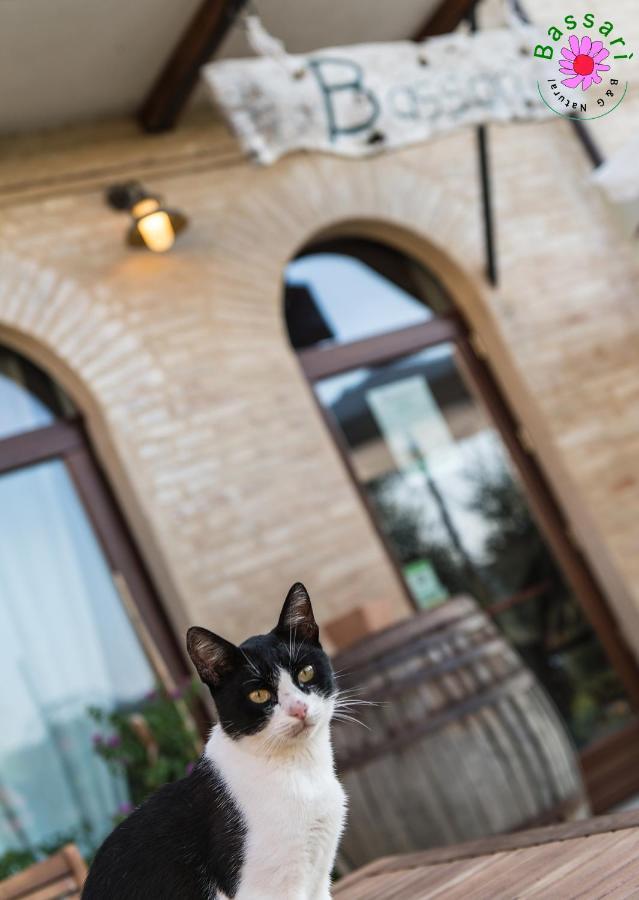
[[297, 708]]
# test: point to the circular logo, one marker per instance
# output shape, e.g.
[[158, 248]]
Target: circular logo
[[581, 75]]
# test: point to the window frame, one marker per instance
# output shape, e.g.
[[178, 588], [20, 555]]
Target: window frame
[[66, 440], [317, 363]]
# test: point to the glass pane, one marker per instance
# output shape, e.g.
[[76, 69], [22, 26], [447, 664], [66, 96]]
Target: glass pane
[[28, 398], [446, 495], [369, 289], [65, 644]]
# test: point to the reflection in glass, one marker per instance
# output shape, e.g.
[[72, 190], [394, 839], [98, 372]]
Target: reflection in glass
[[65, 644], [334, 298], [457, 520]]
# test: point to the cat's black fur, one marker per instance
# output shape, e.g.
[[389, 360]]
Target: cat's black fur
[[186, 841]]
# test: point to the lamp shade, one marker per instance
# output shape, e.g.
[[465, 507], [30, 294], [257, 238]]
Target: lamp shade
[[154, 226]]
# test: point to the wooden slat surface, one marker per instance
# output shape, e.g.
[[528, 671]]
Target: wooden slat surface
[[60, 876], [594, 859], [66, 888]]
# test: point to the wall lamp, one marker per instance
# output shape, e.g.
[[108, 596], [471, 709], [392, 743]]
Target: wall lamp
[[154, 226]]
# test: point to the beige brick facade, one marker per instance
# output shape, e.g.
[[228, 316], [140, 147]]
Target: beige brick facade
[[196, 401]]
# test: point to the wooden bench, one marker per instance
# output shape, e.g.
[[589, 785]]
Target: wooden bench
[[589, 859], [60, 877]]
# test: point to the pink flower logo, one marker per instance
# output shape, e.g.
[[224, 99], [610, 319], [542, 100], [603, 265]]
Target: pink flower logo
[[583, 62]]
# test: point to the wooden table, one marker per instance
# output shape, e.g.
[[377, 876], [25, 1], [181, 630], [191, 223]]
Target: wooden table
[[596, 858]]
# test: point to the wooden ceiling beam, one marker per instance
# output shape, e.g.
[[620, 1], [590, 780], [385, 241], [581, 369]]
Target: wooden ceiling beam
[[169, 94], [445, 18], [174, 85]]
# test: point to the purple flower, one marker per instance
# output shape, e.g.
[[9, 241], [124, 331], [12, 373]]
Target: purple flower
[[114, 741], [152, 695], [189, 768]]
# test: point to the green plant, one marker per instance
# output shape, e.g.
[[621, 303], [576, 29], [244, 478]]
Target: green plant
[[15, 861], [150, 745]]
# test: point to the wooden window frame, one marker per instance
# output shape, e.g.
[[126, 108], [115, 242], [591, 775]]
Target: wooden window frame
[[66, 440], [606, 782]]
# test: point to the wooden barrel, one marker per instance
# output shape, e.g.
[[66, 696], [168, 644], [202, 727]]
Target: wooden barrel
[[462, 742]]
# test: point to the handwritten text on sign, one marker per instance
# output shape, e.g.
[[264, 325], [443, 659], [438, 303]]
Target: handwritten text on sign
[[365, 99]]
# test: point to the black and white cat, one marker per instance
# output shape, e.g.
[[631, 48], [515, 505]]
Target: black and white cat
[[260, 816]]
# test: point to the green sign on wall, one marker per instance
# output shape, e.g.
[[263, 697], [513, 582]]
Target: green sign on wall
[[424, 583]]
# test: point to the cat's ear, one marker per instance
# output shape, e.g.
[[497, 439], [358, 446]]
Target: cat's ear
[[212, 656], [297, 616]]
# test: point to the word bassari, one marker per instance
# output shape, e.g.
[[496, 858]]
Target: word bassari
[[365, 99]]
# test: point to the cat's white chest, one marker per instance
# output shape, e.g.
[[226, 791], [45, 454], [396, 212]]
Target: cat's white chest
[[292, 837], [294, 815]]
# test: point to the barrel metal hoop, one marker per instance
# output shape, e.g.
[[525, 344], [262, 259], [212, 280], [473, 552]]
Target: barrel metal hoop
[[522, 681], [475, 624], [430, 622], [426, 675]]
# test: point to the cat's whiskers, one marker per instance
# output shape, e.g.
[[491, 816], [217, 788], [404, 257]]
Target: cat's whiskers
[[233, 729], [349, 692], [293, 644], [278, 740], [346, 698], [344, 717], [251, 663], [296, 647], [346, 702], [341, 673]]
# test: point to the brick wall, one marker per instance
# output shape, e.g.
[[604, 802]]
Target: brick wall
[[196, 401]]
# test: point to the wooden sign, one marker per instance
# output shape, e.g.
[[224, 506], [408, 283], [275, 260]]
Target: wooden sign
[[369, 98]]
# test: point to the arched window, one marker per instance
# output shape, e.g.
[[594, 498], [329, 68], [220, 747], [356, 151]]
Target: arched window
[[69, 575], [460, 504]]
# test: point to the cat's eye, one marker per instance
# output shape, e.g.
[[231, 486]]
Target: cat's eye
[[261, 695], [306, 674]]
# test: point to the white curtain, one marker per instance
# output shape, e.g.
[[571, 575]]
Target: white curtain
[[65, 644]]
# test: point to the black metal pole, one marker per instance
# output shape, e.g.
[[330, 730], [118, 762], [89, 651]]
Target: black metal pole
[[490, 238], [487, 205], [589, 144]]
